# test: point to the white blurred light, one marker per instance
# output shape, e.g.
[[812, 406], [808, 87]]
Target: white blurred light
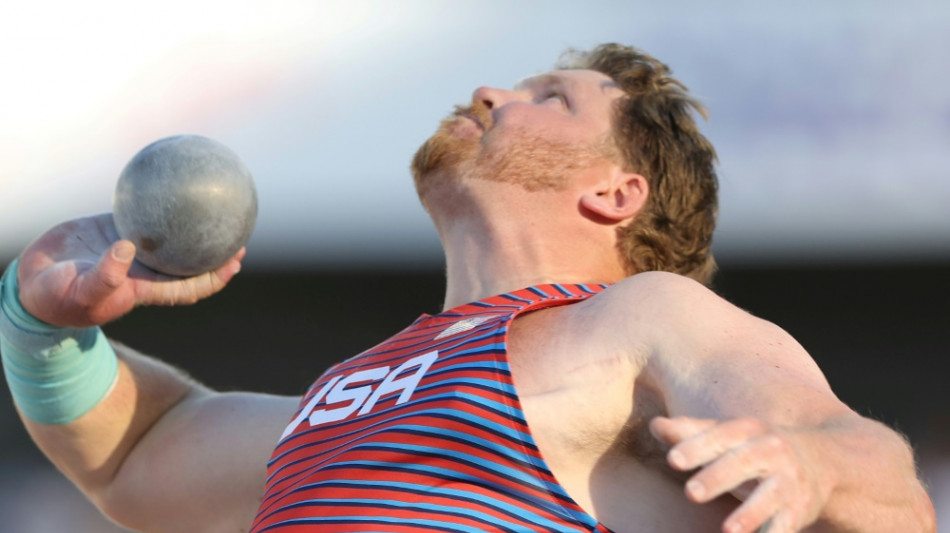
[[831, 121]]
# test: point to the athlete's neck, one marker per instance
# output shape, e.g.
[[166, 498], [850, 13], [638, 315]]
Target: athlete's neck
[[484, 259]]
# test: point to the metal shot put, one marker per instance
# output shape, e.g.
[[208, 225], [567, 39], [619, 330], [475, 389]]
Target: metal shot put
[[581, 376], [187, 202]]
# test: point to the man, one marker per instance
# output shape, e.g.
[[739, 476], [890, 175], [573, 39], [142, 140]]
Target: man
[[569, 385]]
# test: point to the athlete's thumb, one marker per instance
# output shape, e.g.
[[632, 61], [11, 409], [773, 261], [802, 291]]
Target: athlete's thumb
[[110, 272]]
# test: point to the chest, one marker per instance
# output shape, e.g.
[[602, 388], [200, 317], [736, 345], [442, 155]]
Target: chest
[[587, 404], [581, 393]]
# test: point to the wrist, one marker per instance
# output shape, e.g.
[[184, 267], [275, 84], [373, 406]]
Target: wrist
[[55, 374]]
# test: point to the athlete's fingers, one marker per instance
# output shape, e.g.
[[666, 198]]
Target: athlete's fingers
[[167, 290], [211, 282], [760, 513], [754, 460], [672, 431], [222, 275], [114, 266], [706, 446]]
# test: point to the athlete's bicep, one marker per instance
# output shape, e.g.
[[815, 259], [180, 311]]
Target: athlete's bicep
[[708, 358], [203, 466], [719, 361]]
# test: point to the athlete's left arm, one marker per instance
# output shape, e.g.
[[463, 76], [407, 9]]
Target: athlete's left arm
[[750, 411]]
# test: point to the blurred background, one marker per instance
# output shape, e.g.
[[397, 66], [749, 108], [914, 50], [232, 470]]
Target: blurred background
[[832, 121]]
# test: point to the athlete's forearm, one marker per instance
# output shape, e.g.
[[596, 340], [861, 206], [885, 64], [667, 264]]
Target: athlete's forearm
[[876, 488], [91, 449], [85, 402]]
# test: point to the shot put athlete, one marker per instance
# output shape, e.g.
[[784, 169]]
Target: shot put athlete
[[581, 376]]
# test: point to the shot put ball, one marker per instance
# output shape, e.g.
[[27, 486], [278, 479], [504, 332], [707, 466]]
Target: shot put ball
[[187, 202]]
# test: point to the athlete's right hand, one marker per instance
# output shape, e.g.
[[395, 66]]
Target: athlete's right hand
[[81, 274]]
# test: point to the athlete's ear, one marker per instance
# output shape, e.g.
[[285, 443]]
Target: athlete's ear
[[617, 198]]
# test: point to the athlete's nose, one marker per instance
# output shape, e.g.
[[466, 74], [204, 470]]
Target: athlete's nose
[[493, 98]]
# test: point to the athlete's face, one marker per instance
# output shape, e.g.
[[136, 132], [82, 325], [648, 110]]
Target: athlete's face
[[539, 134]]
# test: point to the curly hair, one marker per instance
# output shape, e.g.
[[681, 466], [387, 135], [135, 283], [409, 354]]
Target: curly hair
[[658, 138]]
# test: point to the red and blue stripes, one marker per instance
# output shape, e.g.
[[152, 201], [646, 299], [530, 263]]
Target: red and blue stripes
[[448, 452]]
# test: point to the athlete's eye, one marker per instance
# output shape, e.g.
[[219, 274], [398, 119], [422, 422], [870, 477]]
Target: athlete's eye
[[556, 96]]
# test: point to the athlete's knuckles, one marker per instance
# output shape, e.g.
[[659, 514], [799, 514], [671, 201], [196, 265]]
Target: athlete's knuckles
[[110, 279], [162, 295], [154, 294], [791, 518], [190, 294], [775, 448], [674, 432], [696, 450], [689, 426], [750, 519], [791, 505], [168, 295], [214, 283], [753, 514], [741, 457], [721, 476], [776, 441], [748, 426], [178, 293], [721, 450], [659, 428], [783, 523]]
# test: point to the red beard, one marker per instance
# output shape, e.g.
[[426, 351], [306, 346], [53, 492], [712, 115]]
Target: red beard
[[531, 161], [445, 151]]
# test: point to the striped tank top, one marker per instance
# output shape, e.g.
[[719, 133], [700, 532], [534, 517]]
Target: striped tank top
[[424, 432]]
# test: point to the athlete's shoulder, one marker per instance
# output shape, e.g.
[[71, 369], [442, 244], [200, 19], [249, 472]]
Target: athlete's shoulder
[[656, 291], [682, 319], [639, 311], [654, 307], [659, 280]]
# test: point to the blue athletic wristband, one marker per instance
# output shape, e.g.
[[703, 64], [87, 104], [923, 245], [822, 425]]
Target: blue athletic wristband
[[55, 374]]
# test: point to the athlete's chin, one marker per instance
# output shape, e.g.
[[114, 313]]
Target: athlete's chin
[[439, 158]]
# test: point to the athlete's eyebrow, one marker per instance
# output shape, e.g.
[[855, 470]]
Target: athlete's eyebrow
[[542, 79]]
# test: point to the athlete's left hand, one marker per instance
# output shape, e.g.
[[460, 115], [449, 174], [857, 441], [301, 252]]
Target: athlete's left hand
[[769, 468]]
